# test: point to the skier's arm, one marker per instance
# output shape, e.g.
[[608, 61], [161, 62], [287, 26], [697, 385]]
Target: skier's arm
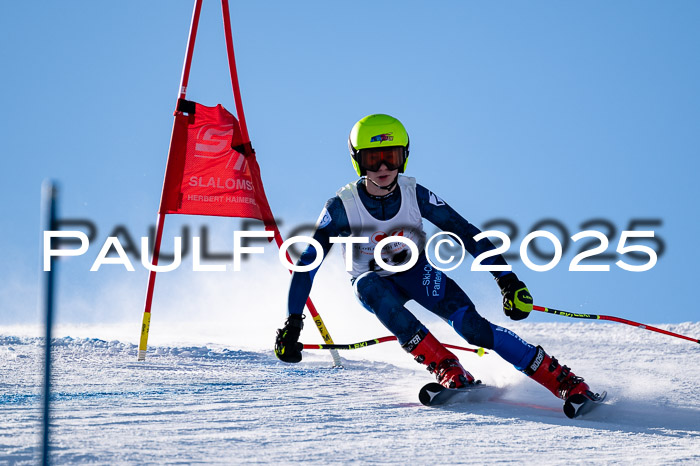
[[332, 223], [300, 285], [517, 301], [440, 214], [287, 346]]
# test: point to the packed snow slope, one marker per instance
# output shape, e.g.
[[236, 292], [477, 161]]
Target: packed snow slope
[[217, 405]]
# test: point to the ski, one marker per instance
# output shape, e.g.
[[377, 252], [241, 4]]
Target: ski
[[579, 404], [434, 394]]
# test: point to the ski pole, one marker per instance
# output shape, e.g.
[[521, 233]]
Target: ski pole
[[364, 344], [49, 200], [549, 310]]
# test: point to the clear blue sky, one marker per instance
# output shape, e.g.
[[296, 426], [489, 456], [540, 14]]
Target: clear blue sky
[[565, 110]]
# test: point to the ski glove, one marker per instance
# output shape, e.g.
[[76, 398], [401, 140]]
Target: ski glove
[[287, 346], [517, 301]]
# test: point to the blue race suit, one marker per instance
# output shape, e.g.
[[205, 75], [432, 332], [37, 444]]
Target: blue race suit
[[429, 287]]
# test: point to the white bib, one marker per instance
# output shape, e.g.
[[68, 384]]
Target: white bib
[[408, 223]]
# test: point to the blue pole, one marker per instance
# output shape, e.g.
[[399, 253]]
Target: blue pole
[[49, 200]]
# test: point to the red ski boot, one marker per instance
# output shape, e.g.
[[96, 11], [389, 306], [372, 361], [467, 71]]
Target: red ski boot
[[559, 380], [427, 350]]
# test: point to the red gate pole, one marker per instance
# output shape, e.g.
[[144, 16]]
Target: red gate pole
[[190, 49], [247, 147], [160, 221]]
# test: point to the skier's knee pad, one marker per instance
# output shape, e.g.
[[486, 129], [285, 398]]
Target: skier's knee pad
[[474, 328], [367, 285], [379, 296], [372, 291]]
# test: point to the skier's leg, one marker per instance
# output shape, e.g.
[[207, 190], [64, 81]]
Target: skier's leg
[[383, 299], [424, 280], [434, 290], [442, 362], [456, 307], [380, 296], [461, 314], [547, 371]]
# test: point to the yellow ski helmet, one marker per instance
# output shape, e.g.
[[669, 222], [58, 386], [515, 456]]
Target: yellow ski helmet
[[377, 131]]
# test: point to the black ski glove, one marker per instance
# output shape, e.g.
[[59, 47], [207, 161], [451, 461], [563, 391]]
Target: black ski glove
[[287, 346], [517, 301]]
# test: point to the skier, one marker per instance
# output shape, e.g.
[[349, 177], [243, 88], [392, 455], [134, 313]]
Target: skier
[[385, 203]]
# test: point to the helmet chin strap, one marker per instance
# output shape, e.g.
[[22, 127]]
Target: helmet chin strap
[[388, 187]]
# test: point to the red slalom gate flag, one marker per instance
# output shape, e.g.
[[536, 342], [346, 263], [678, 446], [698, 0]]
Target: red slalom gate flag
[[210, 169]]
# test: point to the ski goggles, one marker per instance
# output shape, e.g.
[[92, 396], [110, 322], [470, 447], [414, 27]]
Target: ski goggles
[[372, 159]]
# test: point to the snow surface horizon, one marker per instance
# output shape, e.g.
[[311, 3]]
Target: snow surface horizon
[[189, 404]]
